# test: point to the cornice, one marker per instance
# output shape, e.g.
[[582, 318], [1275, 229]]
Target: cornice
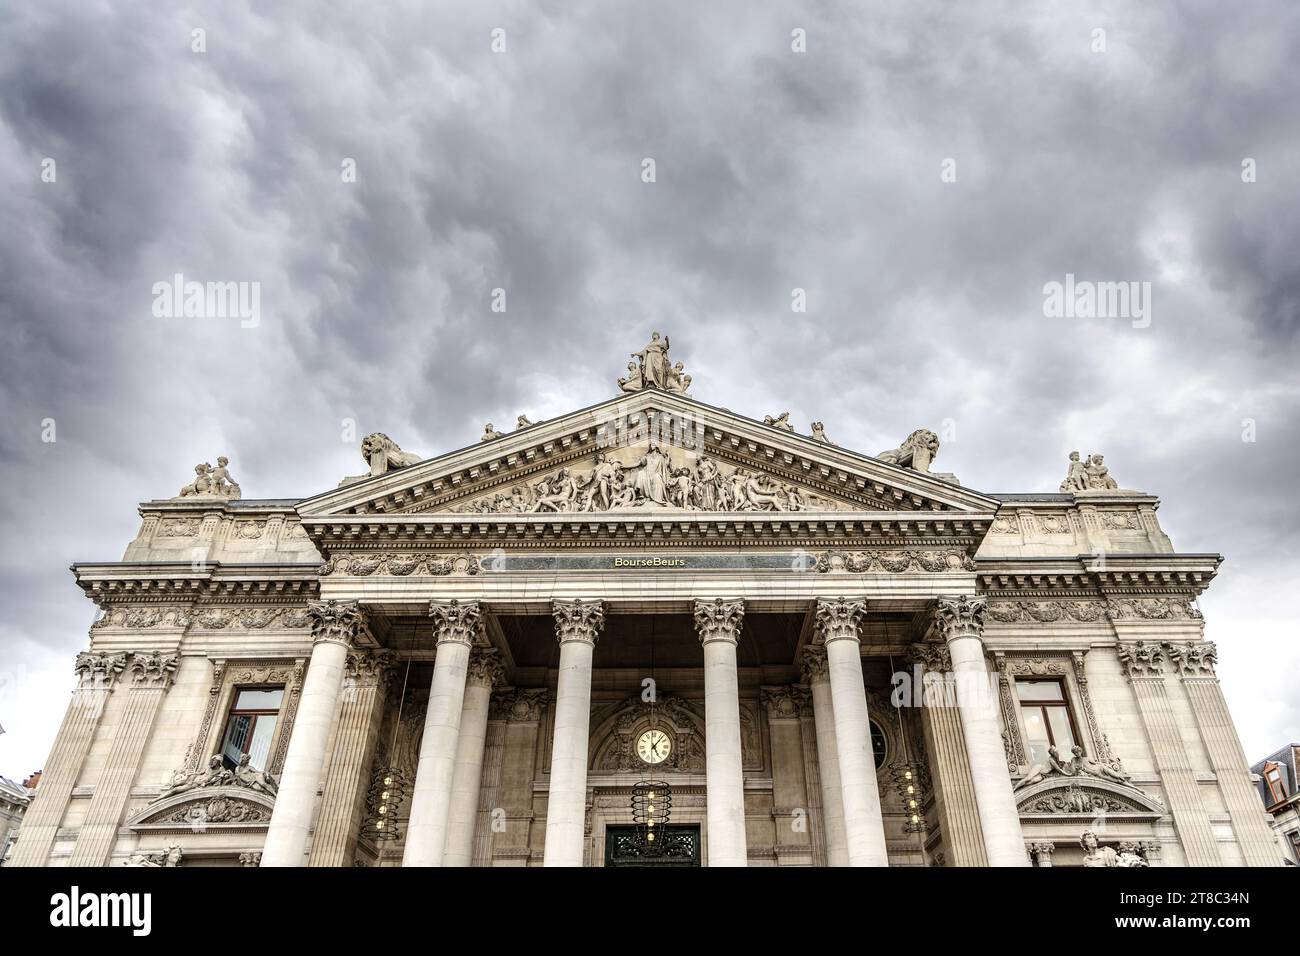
[[1088, 575], [181, 582]]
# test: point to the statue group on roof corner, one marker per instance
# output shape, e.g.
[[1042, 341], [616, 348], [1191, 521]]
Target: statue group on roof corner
[[653, 369]]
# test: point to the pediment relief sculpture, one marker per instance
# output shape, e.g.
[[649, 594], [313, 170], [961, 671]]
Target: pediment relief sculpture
[[215, 774], [384, 455], [658, 477]]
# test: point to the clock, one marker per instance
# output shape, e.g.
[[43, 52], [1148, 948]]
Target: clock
[[654, 746]]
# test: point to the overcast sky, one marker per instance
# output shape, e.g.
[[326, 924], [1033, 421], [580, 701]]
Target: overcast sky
[[522, 170]]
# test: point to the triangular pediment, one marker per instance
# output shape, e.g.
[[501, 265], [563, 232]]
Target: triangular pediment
[[653, 451]]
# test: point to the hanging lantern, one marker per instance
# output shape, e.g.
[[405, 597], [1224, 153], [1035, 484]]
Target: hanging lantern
[[387, 791], [652, 804]]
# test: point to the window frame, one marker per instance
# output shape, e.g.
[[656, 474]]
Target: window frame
[[233, 710], [1065, 704]]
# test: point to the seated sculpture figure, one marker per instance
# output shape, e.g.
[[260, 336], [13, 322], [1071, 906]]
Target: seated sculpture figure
[[917, 452]]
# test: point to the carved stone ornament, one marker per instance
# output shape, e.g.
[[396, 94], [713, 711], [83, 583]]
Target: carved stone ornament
[[252, 618], [215, 774], [578, 620], [1079, 765], [651, 368], [153, 670], [168, 857], [399, 564], [1096, 855], [1142, 659], [917, 452], [615, 730], [839, 619], [485, 668], [933, 656], [960, 616], [1090, 475], [893, 561], [98, 670], [719, 620], [456, 621], [212, 482], [383, 455], [337, 621], [652, 481], [1046, 612], [781, 421], [1193, 659], [490, 433], [785, 703], [137, 618], [819, 433], [812, 665], [518, 705], [1152, 609], [369, 668]]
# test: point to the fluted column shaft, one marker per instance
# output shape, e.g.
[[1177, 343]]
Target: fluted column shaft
[[718, 624], [837, 624], [96, 674], [577, 627], [456, 626], [961, 622], [150, 675], [485, 671], [366, 675], [817, 676]]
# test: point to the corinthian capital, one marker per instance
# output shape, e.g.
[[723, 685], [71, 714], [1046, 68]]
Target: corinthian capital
[[960, 617], [1141, 659], [1193, 659], [485, 668], [932, 655], [719, 620], [370, 667], [153, 670], [96, 670], [456, 622], [578, 620], [840, 619], [334, 621], [812, 664]]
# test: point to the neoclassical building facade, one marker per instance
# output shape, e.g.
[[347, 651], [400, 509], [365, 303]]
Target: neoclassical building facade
[[799, 655]]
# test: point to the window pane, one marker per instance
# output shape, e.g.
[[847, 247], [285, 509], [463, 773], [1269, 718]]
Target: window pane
[[1036, 731], [259, 699], [1061, 733], [259, 745], [237, 733], [1039, 690]]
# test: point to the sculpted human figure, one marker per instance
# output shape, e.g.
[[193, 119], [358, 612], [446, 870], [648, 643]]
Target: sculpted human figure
[[1097, 855], [522, 422], [634, 381], [678, 380], [489, 433], [1076, 479], [917, 452], [201, 483], [1099, 478], [220, 480], [762, 495], [383, 455], [739, 496], [681, 486], [654, 361], [254, 779], [706, 485], [557, 495], [604, 477], [183, 780], [781, 421], [819, 433], [1086, 764], [652, 479]]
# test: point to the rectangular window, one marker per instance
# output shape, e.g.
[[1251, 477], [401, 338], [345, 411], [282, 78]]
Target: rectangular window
[[1047, 719], [251, 727], [1273, 777]]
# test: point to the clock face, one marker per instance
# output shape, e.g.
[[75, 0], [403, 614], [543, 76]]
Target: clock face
[[654, 746]]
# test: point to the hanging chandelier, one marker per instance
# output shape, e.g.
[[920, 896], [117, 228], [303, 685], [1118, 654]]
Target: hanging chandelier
[[388, 784], [652, 800]]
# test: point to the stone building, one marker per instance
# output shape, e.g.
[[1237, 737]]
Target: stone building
[[14, 799], [506, 654], [1278, 781]]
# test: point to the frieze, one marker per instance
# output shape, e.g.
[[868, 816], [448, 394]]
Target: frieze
[[1152, 609], [143, 618], [253, 618], [1047, 612], [1036, 667], [893, 561], [399, 564]]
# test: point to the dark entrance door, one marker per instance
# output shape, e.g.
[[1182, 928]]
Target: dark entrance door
[[680, 846]]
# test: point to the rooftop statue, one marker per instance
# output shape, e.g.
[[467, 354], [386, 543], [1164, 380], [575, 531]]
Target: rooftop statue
[[384, 455], [1090, 475], [917, 452], [819, 433], [212, 482], [652, 369], [489, 433], [781, 421]]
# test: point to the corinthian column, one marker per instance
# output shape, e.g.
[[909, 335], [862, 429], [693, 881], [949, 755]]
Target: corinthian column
[[718, 624], [817, 676], [96, 674], [577, 626], [864, 827], [961, 623], [151, 674], [334, 627], [456, 626], [366, 675], [485, 671]]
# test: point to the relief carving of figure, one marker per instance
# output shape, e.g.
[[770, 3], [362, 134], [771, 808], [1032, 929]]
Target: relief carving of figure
[[652, 476], [917, 452]]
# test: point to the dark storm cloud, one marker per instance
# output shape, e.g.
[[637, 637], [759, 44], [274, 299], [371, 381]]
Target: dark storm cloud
[[520, 170]]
